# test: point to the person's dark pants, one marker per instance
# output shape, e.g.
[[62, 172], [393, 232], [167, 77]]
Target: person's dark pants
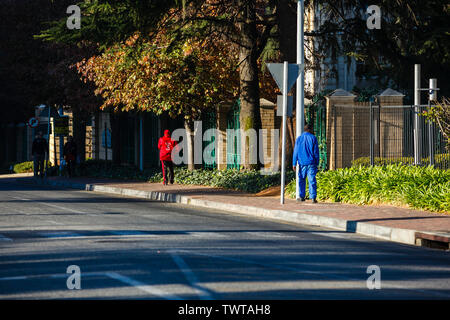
[[167, 169], [71, 167], [309, 172], [38, 165]]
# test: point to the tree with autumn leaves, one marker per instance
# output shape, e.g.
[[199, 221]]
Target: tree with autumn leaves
[[256, 30], [226, 38], [182, 78]]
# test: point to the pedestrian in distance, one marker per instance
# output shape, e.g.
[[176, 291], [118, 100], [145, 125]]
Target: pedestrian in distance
[[39, 150], [306, 155], [70, 155], [165, 146]]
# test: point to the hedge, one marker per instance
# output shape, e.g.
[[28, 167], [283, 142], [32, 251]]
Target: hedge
[[424, 188], [246, 180], [26, 166], [441, 161]]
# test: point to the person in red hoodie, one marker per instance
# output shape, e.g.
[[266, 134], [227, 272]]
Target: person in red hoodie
[[165, 146]]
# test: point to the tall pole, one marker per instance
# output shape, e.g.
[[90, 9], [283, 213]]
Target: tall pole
[[371, 134], [432, 95], [48, 141], [141, 143], [106, 142], [416, 114], [61, 144], [299, 105], [283, 137]]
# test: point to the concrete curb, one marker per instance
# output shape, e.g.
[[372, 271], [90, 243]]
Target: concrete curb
[[405, 236]]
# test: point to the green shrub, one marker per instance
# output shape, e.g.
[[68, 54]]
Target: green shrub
[[247, 181], [441, 161], [418, 187], [26, 166]]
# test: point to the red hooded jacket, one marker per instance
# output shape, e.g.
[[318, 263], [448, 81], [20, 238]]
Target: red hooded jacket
[[165, 146]]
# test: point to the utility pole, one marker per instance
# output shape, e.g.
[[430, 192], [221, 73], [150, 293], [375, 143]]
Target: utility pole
[[61, 144], [417, 151], [432, 96], [300, 97]]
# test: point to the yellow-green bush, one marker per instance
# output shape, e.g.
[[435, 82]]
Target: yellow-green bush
[[424, 188]]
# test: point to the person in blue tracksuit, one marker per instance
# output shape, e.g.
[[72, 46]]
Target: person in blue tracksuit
[[306, 155]]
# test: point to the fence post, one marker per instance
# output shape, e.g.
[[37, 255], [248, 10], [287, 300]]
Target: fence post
[[391, 130], [371, 134], [106, 142], [431, 142], [342, 99], [417, 133]]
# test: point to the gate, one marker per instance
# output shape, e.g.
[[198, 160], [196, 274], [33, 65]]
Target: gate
[[209, 119], [315, 114], [127, 139], [234, 142], [151, 137]]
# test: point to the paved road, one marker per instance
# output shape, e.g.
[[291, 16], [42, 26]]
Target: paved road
[[134, 249]]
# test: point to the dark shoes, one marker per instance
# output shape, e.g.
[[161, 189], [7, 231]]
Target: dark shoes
[[303, 199]]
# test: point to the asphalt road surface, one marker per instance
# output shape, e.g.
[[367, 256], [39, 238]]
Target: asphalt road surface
[[127, 248]]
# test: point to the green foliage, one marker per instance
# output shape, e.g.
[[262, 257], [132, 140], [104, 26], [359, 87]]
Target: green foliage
[[417, 187], [439, 113], [411, 32], [441, 161], [106, 169], [27, 166], [365, 94], [108, 22], [247, 181]]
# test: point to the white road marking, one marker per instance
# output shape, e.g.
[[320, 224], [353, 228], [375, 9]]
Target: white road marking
[[3, 238], [19, 198], [208, 235], [338, 235], [130, 233], [320, 273], [60, 234], [190, 277], [268, 234], [142, 286], [53, 206], [13, 278]]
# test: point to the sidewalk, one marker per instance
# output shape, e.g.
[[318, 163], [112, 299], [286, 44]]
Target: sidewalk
[[386, 222]]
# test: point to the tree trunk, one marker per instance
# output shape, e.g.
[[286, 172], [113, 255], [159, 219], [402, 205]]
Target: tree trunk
[[249, 85], [189, 126], [79, 131]]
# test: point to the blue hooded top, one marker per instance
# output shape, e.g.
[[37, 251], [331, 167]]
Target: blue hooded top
[[306, 151]]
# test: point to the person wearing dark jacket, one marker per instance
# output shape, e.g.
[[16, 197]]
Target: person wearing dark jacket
[[70, 155], [306, 155], [38, 151], [165, 146]]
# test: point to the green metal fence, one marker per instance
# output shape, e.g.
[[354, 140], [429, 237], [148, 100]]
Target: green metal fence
[[315, 114], [151, 137], [234, 144], [209, 121], [127, 139]]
